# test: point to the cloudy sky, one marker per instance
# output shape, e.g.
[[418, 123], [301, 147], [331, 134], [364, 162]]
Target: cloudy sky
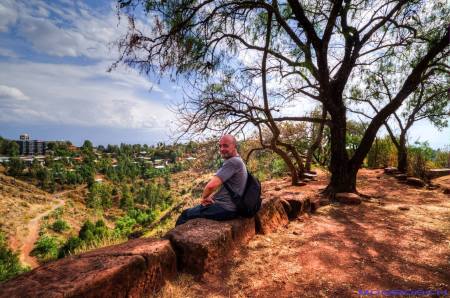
[[54, 84]]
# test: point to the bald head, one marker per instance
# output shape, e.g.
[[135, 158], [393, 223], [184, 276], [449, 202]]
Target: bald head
[[227, 146]]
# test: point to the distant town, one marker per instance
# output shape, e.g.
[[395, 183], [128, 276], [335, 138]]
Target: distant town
[[30, 150]]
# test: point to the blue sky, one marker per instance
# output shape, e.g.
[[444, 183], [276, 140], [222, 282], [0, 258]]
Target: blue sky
[[54, 84]]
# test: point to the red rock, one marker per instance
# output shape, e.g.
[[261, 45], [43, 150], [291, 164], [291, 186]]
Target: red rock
[[243, 229], [159, 256], [111, 271], [310, 175], [348, 198], [415, 182], [315, 204], [401, 177], [271, 216], [201, 245], [306, 208], [390, 170], [80, 277], [286, 205]]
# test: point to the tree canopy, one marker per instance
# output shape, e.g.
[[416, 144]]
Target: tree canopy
[[293, 51]]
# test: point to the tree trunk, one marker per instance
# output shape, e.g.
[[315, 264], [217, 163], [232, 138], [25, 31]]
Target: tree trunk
[[402, 154], [289, 163], [343, 174], [316, 144]]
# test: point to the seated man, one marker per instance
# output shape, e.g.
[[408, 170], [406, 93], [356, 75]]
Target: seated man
[[220, 206]]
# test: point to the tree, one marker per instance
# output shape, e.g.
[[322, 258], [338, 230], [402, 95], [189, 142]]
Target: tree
[[315, 48], [429, 101], [12, 149], [15, 167]]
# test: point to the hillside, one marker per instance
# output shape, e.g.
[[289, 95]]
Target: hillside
[[20, 202], [26, 212]]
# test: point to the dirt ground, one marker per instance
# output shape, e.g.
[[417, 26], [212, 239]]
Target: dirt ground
[[398, 239]]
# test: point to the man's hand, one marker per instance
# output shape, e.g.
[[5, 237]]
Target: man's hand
[[208, 191], [207, 201]]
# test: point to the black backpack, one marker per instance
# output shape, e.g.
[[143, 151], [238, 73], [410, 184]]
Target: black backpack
[[250, 202]]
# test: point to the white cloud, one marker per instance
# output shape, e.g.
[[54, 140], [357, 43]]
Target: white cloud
[[7, 92], [8, 53], [8, 14], [64, 30], [80, 95]]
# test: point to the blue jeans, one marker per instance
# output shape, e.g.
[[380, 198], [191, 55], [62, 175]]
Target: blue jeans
[[212, 211]]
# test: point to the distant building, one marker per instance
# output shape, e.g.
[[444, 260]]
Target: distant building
[[24, 137], [30, 147]]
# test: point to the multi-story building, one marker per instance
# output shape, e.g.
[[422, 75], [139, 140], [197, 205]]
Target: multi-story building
[[30, 147]]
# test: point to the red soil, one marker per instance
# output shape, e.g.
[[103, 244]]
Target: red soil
[[342, 249]]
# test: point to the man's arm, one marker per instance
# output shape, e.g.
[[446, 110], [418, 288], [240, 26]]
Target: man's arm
[[209, 189]]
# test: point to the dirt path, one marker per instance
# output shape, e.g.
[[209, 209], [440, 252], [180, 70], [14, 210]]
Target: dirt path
[[33, 226], [399, 239]]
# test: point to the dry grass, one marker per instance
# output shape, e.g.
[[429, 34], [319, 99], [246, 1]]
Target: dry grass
[[178, 288]]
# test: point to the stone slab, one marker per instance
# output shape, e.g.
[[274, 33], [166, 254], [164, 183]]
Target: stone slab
[[201, 245], [271, 216], [131, 269]]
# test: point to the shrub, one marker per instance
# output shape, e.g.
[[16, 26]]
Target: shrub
[[69, 247], [9, 261], [60, 226], [419, 159], [382, 153], [46, 248]]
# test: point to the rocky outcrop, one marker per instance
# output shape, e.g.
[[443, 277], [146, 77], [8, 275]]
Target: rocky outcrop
[[391, 171], [132, 269], [435, 173], [201, 245], [348, 198], [401, 177], [243, 229], [271, 216], [415, 182]]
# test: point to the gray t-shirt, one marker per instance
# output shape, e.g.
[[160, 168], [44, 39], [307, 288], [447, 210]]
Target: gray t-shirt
[[234, 173]]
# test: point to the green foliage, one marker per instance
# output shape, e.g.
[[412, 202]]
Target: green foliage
[[99, 196], [278, 167], [70, 246], [60, 226], [9, 261], [418, 159], [355, 132], [46, 248], [382, 153], [125, 225], [126, 200], [15, 167], [89, 234], [442, 158]]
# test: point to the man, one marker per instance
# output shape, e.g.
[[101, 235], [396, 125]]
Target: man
[[219, 205]]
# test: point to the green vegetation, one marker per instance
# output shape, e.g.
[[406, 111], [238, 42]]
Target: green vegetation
[[46, 248], [60, 226], [9, 261]]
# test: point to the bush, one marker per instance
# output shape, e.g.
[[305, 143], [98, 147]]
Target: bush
[[60, 226], [69, 247], [9, 261], [382, 153], [124, 225], [419, 159], [46, 248]]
